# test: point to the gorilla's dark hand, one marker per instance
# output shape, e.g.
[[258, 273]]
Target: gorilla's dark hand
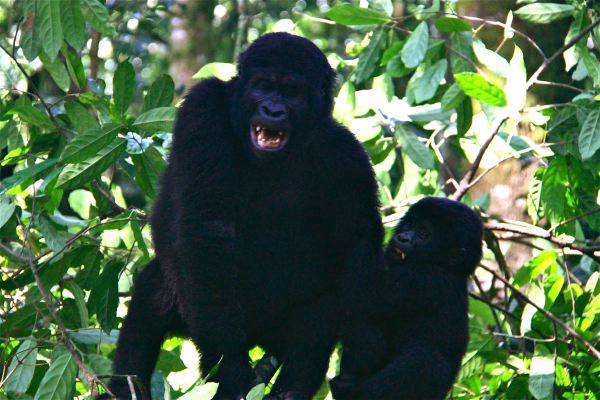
[[291, 395]]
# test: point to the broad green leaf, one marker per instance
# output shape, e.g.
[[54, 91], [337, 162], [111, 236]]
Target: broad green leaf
[[452, 97], [541, 375], [451, 24], [104, 297], [79, 296], [476, 86], [74, 67], [543, 13], [76, 175], [157, 119], [80, 117], [464, 116], [7, 208], [424, 83], [29, 40], [592, 66], [55, 239], [149, 166], [59, 380], [369, 58], [21, 368], [257, 392], [348, 14], [50, 32], [223, 71], [490, 59], [97, 15], [555, 183], [415, 48], [160, 94], [516, 82], [73, 24], [33, 116], [534, 267], [123, 86], [571, 55], [57, 71], [201, 392], [589, 136], [26, 176], [537, 296], [462, 43], [415, 149], [345, 103], [88, 144], [396, 68]]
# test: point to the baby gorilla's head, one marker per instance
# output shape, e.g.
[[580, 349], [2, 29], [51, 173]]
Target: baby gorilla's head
[[437, 231]]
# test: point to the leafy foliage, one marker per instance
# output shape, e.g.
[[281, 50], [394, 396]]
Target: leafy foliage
[[440, 105]]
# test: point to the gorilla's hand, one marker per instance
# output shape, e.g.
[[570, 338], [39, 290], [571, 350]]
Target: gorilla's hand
[[343, 386], [291, 395]]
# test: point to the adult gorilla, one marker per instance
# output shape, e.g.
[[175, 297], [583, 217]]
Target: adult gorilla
[[267, 215]]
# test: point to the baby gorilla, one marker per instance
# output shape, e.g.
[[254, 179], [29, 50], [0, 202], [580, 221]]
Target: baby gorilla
[[406, 337]]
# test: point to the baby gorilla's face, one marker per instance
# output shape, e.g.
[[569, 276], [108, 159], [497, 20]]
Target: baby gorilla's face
[[411, 240]]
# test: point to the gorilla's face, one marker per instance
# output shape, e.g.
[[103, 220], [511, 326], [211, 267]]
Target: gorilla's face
[[283, 90], [275, 105]]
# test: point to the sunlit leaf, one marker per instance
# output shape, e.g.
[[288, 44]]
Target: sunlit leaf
[[476, 86], [50, 28], [88, 144], [223, 71], [543, 13], [589, 136], [451, 24], [348, 14], [123, 86], [415, 149], [369, 58], [21, 368], [415, 47]]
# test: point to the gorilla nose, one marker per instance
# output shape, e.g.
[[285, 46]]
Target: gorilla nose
[[273, 111]]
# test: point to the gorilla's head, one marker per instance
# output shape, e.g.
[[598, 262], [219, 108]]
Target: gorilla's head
[[284, 88], [440, 232]]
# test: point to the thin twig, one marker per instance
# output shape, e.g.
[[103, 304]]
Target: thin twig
[[533, 79], [559, 84], [465, 182]]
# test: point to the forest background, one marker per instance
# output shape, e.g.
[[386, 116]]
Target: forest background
[[494, 103]]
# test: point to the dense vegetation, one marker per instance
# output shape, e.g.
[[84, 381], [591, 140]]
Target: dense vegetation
[[446, 103]]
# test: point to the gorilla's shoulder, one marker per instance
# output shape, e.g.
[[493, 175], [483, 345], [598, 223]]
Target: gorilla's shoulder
[[207, 95], [340, 141]]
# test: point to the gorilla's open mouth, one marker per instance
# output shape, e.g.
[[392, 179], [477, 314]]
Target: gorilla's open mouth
[[268, 139], [399, 253]]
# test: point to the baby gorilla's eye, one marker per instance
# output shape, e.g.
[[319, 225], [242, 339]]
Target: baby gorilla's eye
[[422, 234]]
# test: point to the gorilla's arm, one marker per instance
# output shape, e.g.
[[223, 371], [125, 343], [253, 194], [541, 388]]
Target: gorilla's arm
[[194, 231]]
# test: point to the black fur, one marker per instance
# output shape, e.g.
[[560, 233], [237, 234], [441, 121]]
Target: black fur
[[254, 246], [405, 341]]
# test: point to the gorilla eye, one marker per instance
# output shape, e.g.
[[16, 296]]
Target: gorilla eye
[[422, 234]]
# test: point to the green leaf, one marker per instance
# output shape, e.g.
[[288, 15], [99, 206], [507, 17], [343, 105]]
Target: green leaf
[[223, 71], [104, 297], [462, 43], [490, 59], [21, 368], [201, 392], [160, 94], [73, 24], [345, 103], [516, 82], [415, 149], [7, 208], [33, 116], [589, 136], [29, 41], [571, 55], [415, 48], [451, 24], [541, 375], [25, 176], [123, 86], [348, 14], [76, 175], [257, 392], [80, 117], [424, 83], [157, 119], [592, 66], [79, 296], [87, 145], [476, 86], [555, 183], [543, 13], [452, 97], [97, 15], [149, 166], [59, 380], [464, 116], [48, 20], [369, 58], [57, 71], [537, 296]]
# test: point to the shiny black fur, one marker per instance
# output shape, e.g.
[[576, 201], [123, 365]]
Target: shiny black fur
[[256, 247], [405, 341]]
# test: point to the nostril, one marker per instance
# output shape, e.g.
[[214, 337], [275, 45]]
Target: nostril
[[273, 111]]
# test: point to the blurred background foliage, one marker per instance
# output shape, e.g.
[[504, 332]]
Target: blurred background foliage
[[495, 103]]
